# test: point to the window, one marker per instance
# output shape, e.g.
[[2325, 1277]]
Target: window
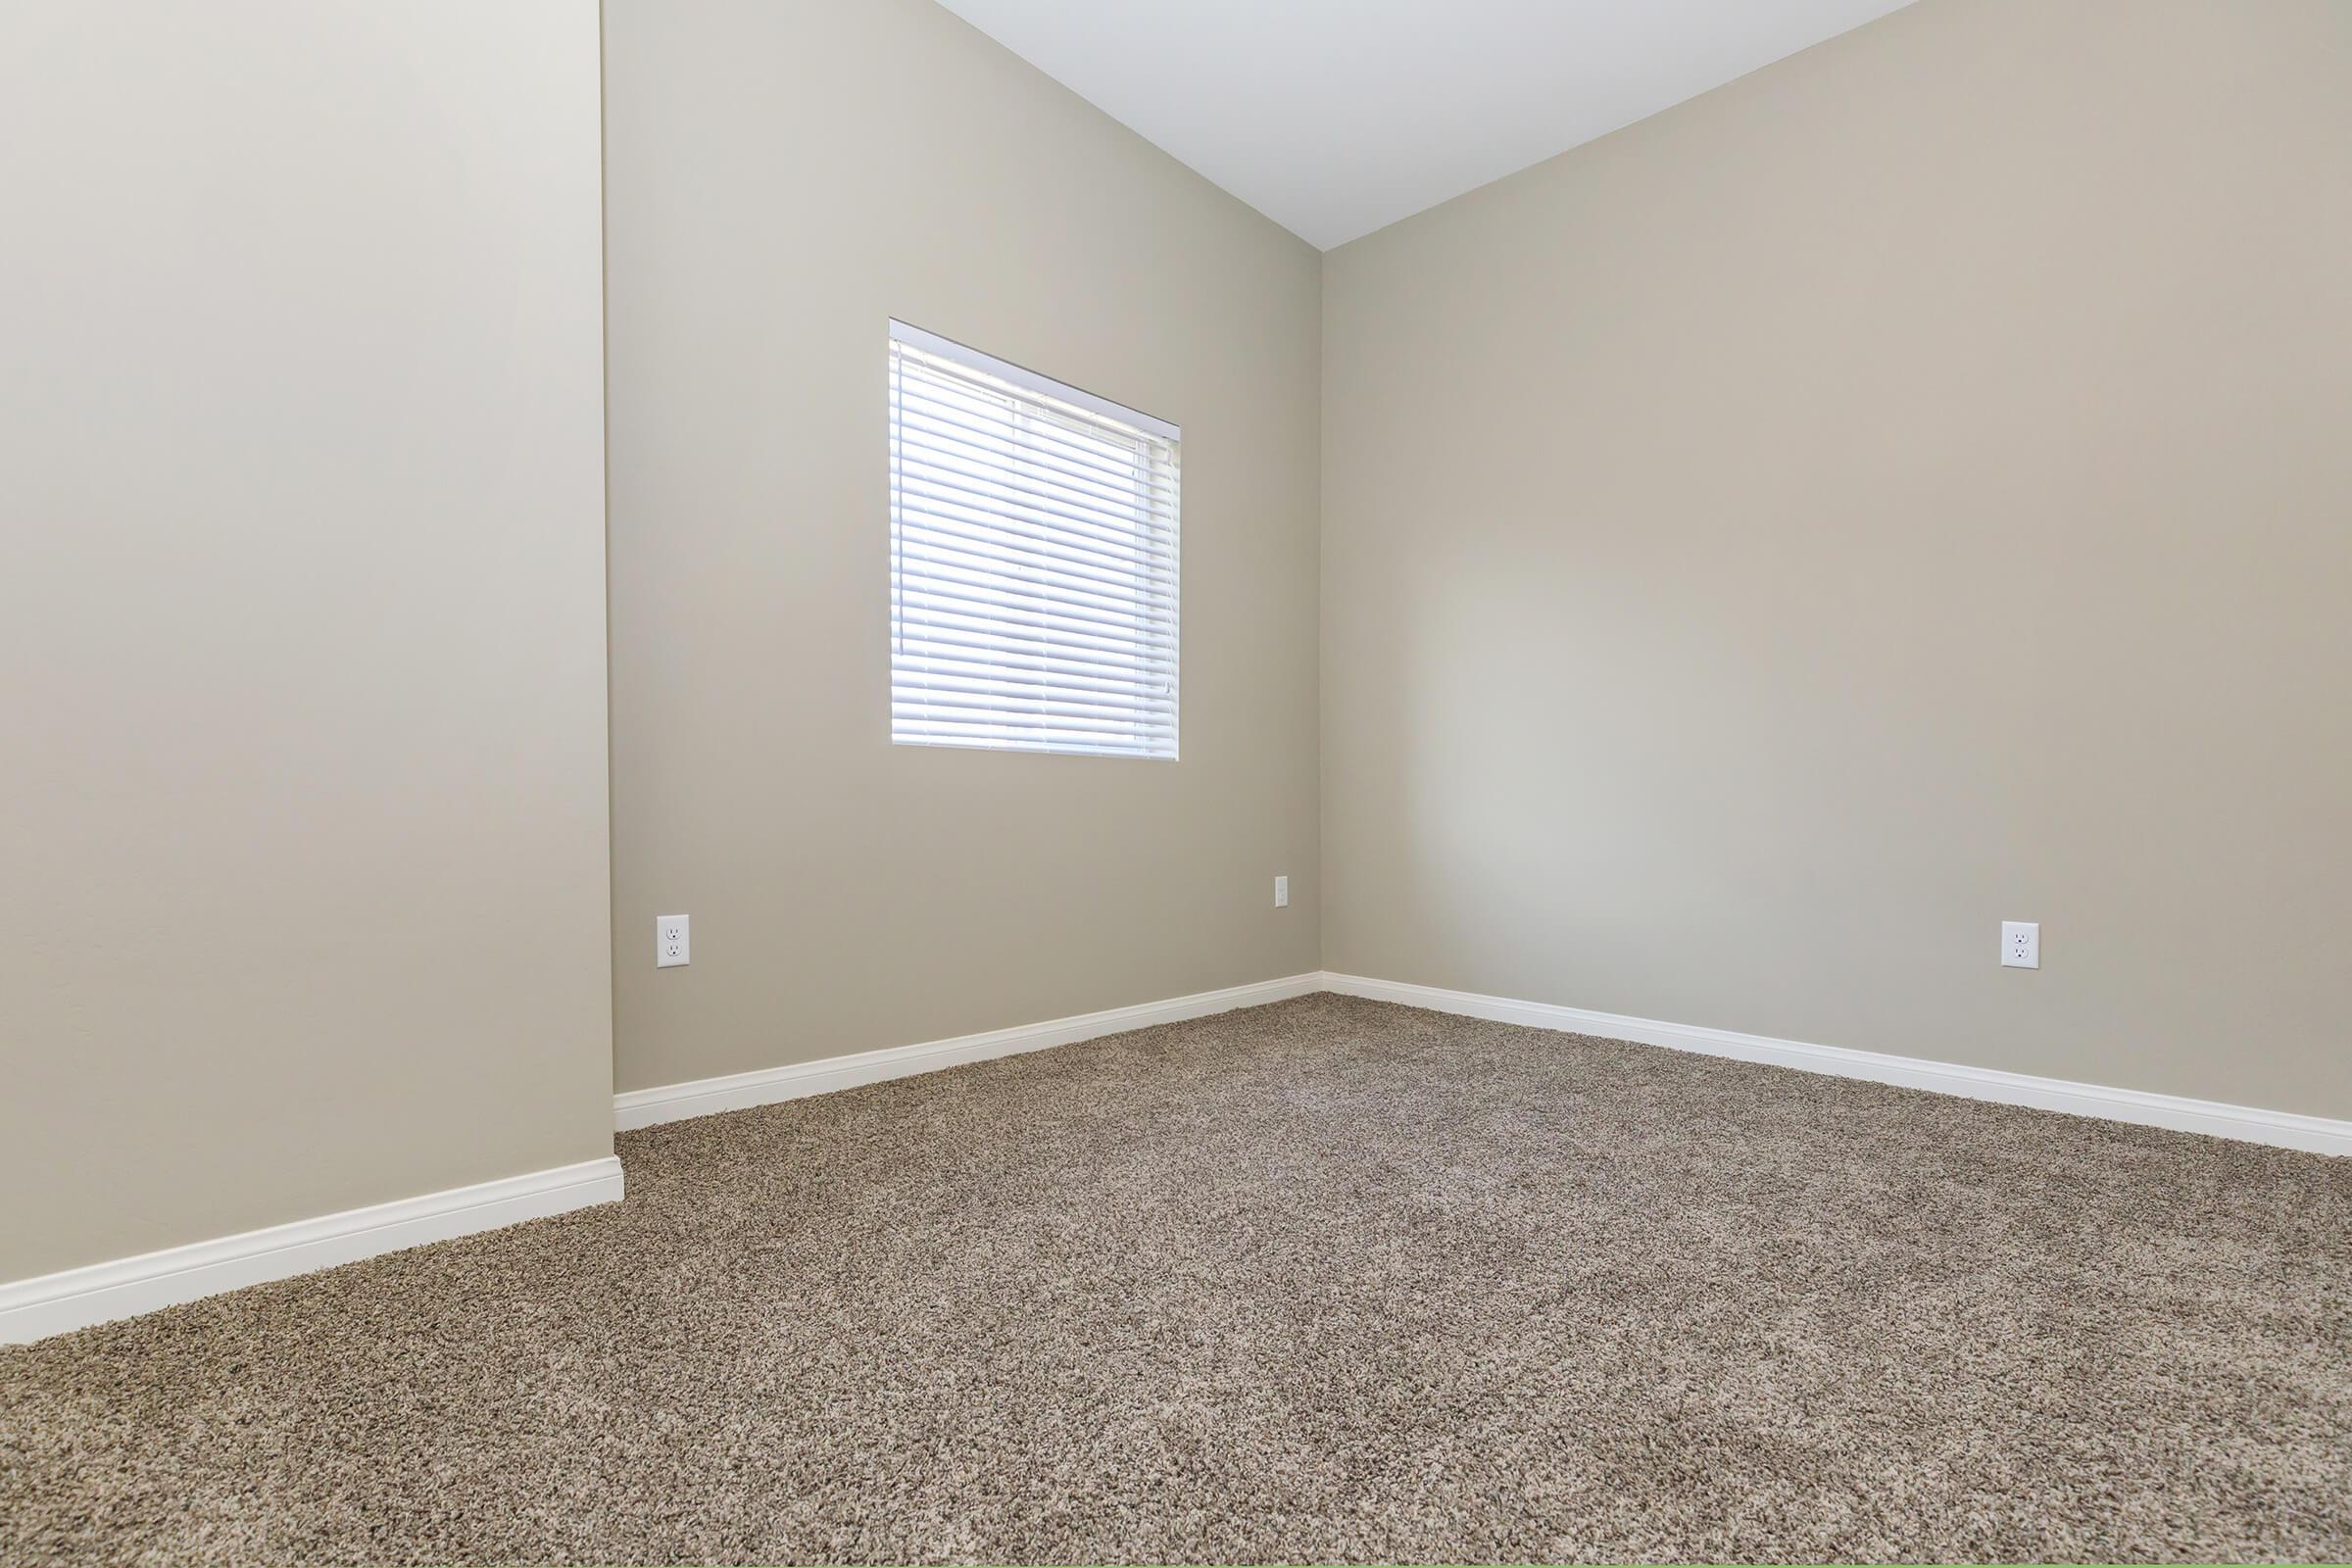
[[1032, 559]]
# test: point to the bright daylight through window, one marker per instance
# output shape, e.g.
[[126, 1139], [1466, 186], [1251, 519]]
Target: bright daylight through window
[[1033, 579]]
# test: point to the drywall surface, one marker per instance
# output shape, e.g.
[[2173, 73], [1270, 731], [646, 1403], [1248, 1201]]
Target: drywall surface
[[302, 635], [782, 182], [1903, 490]]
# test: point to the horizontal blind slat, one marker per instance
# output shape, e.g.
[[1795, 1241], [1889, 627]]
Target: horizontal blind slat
[[928, 418], [919, 551], [922, 406], [959, 674], [1062, 744], [983, 473], [919, 375], [933, 581], [1135, 527], [929, 636], [950, 496], [947, 700], [949, 517], [948, 721], [921, 615]]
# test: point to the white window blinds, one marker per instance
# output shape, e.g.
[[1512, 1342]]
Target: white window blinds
[[1033, 560]]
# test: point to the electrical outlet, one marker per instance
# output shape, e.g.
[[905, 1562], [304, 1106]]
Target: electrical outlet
[[670, 947], [1282, 893], [2021, 945]]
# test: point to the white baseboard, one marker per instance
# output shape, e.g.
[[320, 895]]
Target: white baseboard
[[703, 1097], [2285, 1129], [53, 1303], [77, 1297]]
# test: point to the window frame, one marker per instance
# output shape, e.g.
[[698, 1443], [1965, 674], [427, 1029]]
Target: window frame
[[1159, 461]]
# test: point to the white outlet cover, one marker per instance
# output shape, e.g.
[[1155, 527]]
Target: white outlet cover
[[672, 948], [1282, 893], [2021, 945]]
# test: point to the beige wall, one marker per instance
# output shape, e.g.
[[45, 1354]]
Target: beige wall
[[1901, 490], [303, 818], [781, 180], [1904, 489]]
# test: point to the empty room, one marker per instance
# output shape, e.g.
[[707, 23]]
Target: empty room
[[1136, 781]]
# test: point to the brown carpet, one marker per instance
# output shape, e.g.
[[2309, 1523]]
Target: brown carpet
[[1327, 1280]]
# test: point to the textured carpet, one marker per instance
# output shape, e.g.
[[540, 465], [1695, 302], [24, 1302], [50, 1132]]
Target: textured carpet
[[1326, 1280]]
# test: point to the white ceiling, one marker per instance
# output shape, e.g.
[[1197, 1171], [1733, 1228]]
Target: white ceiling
[[1335, 118]]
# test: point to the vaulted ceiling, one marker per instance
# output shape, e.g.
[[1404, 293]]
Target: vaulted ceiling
[[1335, 118]]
